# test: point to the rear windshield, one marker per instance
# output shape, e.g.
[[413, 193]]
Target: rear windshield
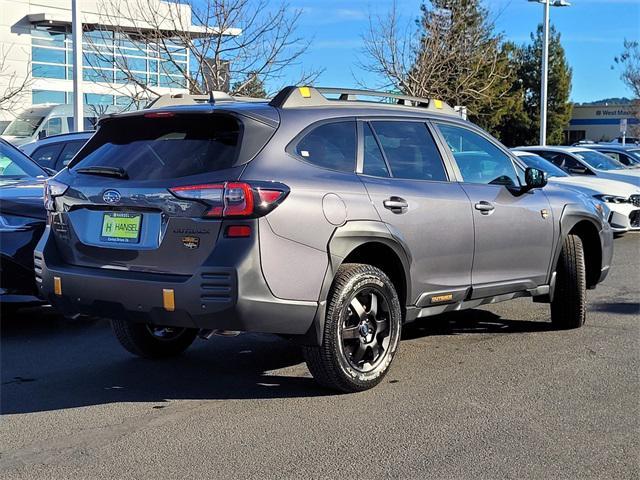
[[166, 147]]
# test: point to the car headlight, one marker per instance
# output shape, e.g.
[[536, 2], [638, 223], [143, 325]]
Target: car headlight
[[612, 198], [10, 223]]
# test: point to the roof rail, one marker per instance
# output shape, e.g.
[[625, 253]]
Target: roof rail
[[168, 99], [291, 97], [187, 99]]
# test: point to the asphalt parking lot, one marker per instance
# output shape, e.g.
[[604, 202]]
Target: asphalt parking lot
[[488, 393]]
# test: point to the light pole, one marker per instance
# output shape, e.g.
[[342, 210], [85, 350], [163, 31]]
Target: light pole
[[545, 64], [76, 31]]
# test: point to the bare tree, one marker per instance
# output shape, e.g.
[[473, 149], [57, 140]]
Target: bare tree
[[14, 86], [236, 43], [450, 53], [629, 60]]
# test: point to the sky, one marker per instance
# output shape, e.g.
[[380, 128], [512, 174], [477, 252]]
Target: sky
[[593, 32]]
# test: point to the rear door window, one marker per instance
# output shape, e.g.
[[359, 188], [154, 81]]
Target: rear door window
[[410, 150], [330, 145], [172, 146], [69, 150], [374, 163], [47, 155]]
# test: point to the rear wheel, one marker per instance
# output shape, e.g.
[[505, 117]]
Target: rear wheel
[[152, 341], [361, 332], [569, 305]]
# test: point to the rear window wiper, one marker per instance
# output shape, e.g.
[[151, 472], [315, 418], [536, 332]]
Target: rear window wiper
[[104, 171]]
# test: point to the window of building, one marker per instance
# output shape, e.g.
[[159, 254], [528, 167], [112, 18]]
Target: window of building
[[106, 56], [48, 71], [331, 145], [47, 55], [47, 96], [173, 81], [479, 160], [410, 150]]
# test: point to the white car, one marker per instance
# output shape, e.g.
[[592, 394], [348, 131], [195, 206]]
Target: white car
[[621, 198], [586, 162]]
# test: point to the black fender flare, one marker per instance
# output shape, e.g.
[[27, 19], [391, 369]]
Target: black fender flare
[[346, 239], [572, 214]]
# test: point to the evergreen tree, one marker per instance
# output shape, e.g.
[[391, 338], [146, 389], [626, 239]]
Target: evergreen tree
[[515, 127], [559, 107]]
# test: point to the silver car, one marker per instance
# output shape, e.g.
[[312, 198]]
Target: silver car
[[316, 216]]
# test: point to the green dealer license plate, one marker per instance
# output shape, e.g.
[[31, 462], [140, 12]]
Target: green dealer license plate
[[121, 227]]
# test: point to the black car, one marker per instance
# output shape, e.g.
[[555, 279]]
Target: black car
[[22, 221]]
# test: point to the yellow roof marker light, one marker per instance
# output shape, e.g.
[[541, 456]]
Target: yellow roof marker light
[[305, 92], [437, 103]]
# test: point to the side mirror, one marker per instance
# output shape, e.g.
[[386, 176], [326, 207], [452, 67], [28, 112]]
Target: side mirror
[[535, 178], [50, 171], [42, 134]]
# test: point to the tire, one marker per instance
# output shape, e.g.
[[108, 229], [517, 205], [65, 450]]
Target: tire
[[150, 341], [569, 305], [362, 330]]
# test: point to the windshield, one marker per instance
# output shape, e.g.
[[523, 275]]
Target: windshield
[[15, 164], [23, 126], [599, 161], [535, 161]]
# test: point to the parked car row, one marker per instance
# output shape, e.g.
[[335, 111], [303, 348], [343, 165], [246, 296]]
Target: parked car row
[[327, 220], [568, 166]]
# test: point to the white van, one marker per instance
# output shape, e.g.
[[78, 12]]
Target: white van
[[40, 121]]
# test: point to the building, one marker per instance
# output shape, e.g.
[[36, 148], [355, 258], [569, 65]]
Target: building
[[600, 122], [119, 56]]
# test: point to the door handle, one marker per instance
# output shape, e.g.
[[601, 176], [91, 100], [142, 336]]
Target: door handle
[[396, 204], [484, 207]]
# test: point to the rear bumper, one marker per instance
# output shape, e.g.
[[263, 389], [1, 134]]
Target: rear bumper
[[230, 294]]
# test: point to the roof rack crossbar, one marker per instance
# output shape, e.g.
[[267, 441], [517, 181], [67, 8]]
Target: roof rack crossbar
[[292, 96], [351, 94]]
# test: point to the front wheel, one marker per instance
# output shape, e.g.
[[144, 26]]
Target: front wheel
[[150, 341], [361, 332], [569, 305]]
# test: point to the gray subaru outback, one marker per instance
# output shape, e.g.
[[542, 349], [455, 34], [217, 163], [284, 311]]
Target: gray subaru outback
[[318, 216]]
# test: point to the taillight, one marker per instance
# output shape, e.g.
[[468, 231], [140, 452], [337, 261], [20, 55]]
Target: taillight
[[52, 189], [235, 199]]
